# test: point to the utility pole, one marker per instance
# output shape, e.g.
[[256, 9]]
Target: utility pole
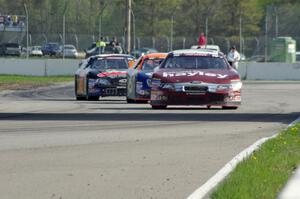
[[64, 28], [133, 27], [241, 36], [276, 22], [172, 27], [64, 36], [27, 33], [206, 29], [128, 27], [266, 36]]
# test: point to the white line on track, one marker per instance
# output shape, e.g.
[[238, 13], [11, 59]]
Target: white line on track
[[209, 185]]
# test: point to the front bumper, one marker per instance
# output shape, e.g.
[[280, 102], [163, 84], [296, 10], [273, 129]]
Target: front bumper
[[172, 97], [104, 91]]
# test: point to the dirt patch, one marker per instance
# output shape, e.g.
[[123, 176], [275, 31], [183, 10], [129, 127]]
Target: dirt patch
[[17, 86]]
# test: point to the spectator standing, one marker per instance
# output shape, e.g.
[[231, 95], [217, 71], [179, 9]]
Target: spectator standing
[[102, 45], [202, 40], [233, 57]]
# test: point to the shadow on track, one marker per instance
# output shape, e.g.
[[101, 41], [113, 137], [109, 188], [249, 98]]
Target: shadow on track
[[209, 117]]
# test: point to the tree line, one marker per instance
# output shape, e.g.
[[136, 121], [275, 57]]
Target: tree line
[[154, 18]]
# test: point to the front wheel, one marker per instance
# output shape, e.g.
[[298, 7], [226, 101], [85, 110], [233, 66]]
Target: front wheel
[[80, 98], [229, 107], [159, 106], [92, 98], [130, 101]]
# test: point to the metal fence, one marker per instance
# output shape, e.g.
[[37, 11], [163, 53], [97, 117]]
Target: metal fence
[[279, 21], [252, 47]]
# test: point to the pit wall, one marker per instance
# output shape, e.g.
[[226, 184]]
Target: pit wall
[[56, 67]]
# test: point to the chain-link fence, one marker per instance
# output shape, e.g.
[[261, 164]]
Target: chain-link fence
[[251, 47], [279, 21]]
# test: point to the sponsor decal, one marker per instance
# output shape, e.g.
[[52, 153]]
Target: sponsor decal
[[193, 74], [112, 74], [123, 81]]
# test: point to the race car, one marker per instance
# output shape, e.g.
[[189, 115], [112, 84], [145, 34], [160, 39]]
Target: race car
[[102, 75], [196, 77], [139, 77]]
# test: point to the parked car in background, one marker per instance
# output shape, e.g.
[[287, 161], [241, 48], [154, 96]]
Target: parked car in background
[[36, 51], [298, 56], [102, 75], [196, 77], [139, 77], [69, 51], [143, 51], [51, 49], [10, 49]]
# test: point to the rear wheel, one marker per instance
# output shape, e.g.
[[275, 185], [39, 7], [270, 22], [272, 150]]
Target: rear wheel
[[229, 107], [141, 101], [93, 98], [130, 101], [80, 98], [159, 106]]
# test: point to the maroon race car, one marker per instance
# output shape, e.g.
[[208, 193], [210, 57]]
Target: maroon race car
[[196, 77]]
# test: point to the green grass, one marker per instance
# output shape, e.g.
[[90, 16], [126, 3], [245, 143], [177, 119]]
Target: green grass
[[18, 82], [264, 174]]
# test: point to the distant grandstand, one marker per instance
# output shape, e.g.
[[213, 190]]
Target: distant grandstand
[[12, 28]]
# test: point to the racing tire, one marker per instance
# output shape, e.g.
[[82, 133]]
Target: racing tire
[[130, 101], [159, 106], [92, 98], [229, 107], [141, 101], [80, 98]]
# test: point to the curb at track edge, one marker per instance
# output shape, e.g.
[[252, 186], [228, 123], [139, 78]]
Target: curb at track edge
[[212, 183]]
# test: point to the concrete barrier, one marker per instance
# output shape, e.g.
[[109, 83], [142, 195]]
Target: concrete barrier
[[269, 71], [38, 67], [50, 67]]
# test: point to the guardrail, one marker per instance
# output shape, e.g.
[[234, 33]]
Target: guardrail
[[269, 71], [38, 67], [51, 67]]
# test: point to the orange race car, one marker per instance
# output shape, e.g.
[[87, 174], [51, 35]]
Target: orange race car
[[139, 77]]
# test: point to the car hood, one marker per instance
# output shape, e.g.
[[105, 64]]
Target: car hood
[[113, 73], [205, 75]]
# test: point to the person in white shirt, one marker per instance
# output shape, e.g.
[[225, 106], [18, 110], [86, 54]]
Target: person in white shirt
[[233, 57]]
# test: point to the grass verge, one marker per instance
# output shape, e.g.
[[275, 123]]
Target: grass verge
[[264, 174], [18, 82]]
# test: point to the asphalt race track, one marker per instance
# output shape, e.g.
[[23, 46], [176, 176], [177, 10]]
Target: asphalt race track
[[52, 146]]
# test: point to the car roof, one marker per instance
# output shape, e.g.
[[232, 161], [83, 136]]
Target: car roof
[[154, 55], [194, 52], [113, 55]]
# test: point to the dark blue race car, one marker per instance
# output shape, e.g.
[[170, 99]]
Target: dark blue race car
[[102, 75]]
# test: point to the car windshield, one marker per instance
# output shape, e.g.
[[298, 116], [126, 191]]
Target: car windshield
[[52, 45], [12, 45], [195, 62], [150, 64], [110, 63], [69, 47], [36, 48]]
